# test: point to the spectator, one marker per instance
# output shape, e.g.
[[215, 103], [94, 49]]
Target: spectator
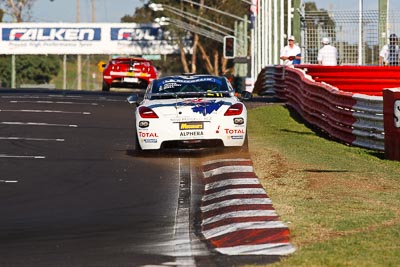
[[327, 55], [389, 54], [290, 52]]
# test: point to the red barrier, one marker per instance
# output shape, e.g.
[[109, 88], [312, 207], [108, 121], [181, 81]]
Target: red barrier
[[391, 112], [368, 80]]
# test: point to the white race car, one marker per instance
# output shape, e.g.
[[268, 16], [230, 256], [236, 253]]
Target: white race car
[[190, 111]]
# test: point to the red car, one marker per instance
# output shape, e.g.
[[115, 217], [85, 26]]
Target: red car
[[128, 72]]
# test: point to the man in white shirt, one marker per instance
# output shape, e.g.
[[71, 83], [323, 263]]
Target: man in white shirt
[[290, 52], [327, 55], [389, 54]]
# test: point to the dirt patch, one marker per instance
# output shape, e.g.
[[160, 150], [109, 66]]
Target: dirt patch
[[269, 164]]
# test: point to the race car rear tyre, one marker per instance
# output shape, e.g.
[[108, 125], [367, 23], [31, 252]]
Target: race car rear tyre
[[240, 149], [245, 146], [143, 84], [106, 87], [138, 148]]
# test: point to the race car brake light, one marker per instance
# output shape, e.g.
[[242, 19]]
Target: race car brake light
[[147, 113], [234, 110]]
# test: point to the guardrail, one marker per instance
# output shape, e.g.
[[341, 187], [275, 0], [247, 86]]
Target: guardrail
[[352, 118]]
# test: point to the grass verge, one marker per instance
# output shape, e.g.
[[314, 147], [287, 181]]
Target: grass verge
[[341, 203]]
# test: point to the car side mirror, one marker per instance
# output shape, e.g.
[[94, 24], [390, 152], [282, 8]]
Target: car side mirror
[[133, 99], [246, 95]]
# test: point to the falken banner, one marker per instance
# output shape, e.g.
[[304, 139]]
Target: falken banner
[[85, 38]]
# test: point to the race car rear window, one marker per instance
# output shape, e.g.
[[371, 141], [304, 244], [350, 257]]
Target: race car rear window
[[177, 85], [126, 62]]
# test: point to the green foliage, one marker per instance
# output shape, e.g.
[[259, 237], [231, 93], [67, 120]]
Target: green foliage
[[142, 15], [208, 58], [91, 77], [170, 66], [31, 69], [5, 71]]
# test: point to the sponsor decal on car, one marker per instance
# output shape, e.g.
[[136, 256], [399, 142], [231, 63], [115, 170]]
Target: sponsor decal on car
[[234, 131], [185, 119], [146, 134], [168, 86], [194, 125], [117, 73], [191, 81], [191, 134], [150, 141], [207, 107], [197, 103], [237, 137]]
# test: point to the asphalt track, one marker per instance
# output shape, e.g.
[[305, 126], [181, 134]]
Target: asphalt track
[[73, 192]]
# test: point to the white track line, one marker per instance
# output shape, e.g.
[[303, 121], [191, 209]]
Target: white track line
[[55, 102], [22, 157], [9, 181], [30, 139], [44, 111], [37, 124], [183, 249]]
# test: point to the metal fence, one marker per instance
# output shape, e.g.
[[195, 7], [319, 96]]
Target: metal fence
[[343, 29]]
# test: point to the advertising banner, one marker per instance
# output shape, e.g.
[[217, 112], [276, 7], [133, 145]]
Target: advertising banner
[[85, 38]]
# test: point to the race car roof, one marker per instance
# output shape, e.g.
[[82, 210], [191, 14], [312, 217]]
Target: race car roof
[[130, 59], [186, 83]]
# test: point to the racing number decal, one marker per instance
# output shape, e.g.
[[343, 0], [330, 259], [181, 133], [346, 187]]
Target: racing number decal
[[191, 125], [397, 113], [191, 129]]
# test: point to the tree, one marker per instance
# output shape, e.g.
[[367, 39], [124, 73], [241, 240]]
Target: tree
[[1, 15], [207, 53], [142, 15], [18, 9], [35, 69], [31, 69]]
